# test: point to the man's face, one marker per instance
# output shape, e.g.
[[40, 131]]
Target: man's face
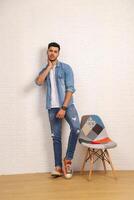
[[53, 53]]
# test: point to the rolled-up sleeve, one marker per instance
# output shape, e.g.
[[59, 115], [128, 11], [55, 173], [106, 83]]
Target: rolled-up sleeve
[[69, 79]]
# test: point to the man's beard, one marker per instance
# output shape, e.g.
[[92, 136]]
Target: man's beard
[[52, 60]]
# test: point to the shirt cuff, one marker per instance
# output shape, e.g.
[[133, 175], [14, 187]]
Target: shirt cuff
[[71, 89]]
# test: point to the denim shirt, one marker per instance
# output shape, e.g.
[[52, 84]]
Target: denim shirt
[[64, 82]]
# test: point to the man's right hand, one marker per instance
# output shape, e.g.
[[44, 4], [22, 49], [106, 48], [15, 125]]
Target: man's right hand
[[50, 64], [40, 79], [42, 76]]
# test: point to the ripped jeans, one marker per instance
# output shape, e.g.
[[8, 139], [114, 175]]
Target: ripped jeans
[[72, 118]]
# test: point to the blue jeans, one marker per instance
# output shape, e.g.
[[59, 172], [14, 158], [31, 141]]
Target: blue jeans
[[72, 118]]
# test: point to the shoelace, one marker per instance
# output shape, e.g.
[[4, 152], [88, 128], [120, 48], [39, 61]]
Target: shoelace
[[68, 168]]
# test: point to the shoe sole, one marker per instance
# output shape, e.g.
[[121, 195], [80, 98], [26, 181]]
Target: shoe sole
[[56, 175], [68, 176]]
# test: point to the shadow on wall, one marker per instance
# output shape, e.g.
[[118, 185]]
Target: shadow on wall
[[43, 114], [47, 148]]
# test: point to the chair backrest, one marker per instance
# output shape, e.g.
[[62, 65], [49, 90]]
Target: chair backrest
[[93, 130]]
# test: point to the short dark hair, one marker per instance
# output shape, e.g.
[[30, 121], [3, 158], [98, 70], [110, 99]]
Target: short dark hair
[[54, 44]]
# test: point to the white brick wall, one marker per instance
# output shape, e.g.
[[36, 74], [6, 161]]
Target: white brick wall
[[96, 39]]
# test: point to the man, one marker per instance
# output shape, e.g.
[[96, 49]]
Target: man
[[60, 104]]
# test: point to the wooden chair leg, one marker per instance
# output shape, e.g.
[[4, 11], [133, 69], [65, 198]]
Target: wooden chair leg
[[110, 162], [103, 160], [91, 160], [84, 162]]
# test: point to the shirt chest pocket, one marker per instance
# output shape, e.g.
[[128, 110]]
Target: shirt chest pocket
[[60, 75]]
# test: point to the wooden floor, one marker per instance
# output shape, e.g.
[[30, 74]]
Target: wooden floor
[[42, 186]]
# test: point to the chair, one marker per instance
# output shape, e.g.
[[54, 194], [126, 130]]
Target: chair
[[94, 137]]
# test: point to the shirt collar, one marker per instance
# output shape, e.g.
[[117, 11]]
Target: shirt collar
[[58, 63]]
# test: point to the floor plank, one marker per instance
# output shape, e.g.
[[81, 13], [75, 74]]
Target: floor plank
[[41, 186]]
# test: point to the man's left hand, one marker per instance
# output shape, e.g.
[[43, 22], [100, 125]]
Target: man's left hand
[[61, 114]]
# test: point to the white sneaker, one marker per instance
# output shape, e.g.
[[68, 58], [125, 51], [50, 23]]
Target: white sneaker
[[57, 172], [68, 172]]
